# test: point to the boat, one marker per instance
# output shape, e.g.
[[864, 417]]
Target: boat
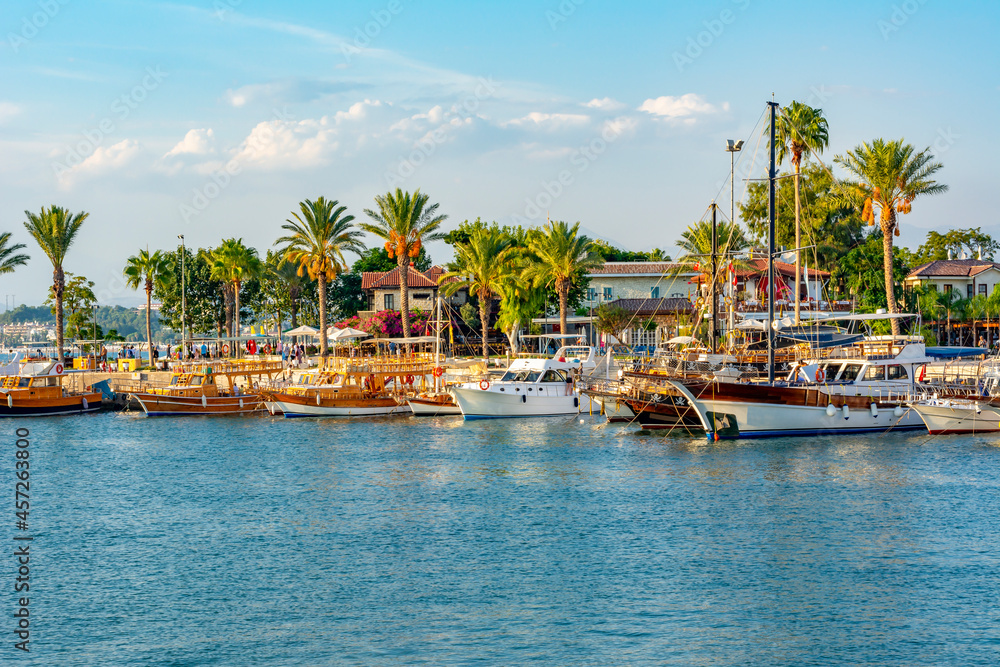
[[34, 388], [438, 401], [531, 387], [355, 386], [195, 389], [946, 409]]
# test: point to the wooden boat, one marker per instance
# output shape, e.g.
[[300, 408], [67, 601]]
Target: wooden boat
[[195, 389], [356, 386], [35, 389], [434, 404]]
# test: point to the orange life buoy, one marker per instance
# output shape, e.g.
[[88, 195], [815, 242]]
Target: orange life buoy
[[59, 369], [438, 371], [820, 375], [409, 379], [484, 384], [225, 348]]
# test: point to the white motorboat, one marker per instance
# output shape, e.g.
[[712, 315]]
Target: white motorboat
[[977, 412], [538, 387]]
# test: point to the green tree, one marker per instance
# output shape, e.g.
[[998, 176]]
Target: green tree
[[891, 175], [482, 265], [8, 259], [147, 269], [54, 230], [317, 241], [801, 130], [233, 263], [204, 295], [954, 243], [560, 257], [377, 260], [405, 222], [78, 298], [613, 320], [610, 253], [860, 273]]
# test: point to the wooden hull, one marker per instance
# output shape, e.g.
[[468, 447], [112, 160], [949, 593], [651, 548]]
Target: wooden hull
[[49, 407], [157, 405], [434, 406], [293, 406]]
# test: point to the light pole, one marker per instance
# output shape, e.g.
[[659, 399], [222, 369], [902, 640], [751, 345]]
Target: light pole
[[732, 147], [183, 353]]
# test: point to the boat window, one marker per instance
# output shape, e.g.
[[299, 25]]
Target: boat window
[[875, 373], [897, 372], [532, 377], [508, 377], [553, 376], [173, 379], [23, 382], [850, 372], [196, 380]]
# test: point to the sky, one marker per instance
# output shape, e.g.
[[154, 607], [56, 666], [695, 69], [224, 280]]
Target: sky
[[215, 118]]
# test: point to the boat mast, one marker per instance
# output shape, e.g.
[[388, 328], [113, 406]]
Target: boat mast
[[715, 272], [770, 249], [437, 343]]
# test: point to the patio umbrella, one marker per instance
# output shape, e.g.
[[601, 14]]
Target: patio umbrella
[[302, 331], [348, 333]]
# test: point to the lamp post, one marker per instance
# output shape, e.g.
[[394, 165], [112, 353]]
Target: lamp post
[[732, 147], [183, 353]]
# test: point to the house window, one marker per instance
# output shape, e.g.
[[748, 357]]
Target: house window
[[591, 294], [607, 294], [982, 288], [947, 289], [968, 291], [422, 295], [643, 336], [654, 292], [389, 302]]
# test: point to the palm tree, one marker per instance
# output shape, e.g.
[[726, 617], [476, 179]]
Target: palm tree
[[8, 260], [892, 174], [801, 130], [405, 222], [317, 241], [483, 265], [560, 257], [233, 263], [54, 230], [148, 270]]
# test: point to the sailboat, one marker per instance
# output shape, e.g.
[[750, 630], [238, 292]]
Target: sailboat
[[438, 401]]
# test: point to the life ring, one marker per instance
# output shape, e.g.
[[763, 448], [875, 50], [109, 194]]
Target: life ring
[[438, 371], [225, 348], [484, 384], [59, 369], [820, 375], [409, 379]]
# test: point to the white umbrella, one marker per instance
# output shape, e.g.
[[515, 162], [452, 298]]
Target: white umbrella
[[349, 333], [302, 331]]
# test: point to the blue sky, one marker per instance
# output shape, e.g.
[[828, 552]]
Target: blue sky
[[215, 118]]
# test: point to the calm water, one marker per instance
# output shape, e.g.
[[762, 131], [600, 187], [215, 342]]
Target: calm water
[[549, 541]]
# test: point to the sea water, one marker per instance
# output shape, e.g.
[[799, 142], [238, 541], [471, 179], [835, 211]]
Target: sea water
[[567, 541]]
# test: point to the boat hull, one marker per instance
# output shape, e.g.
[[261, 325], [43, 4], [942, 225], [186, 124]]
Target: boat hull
[[158, 405], [491, 403], [51, 407], [305, 406], [944, 418], [428, 407], [614, 408]]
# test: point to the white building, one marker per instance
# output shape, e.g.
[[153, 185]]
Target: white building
[[968, 276], [638, 280]]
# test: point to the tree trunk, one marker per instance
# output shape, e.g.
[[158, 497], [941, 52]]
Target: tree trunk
[[149, 325], [58, 285], [511, 334], [890, 288], [295, 308], [236, 317], [563, 288], [227, 298], [798, 245], [485, 303], [404, 293], [321, 289]]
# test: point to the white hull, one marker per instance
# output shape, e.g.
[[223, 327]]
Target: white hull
[[272, 407], [481, 404], [307, 410], [433, 410], [958, 417], [615, 410], [766, 420]]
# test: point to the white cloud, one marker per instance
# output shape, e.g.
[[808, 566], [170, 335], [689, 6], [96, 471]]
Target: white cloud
[[102, 161], [604, 104], [684, 108], [288, 144], [548, 121], [195, 142], [8, 110]]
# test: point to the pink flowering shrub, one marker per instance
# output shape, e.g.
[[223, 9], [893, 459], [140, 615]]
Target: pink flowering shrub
[[387, 324]]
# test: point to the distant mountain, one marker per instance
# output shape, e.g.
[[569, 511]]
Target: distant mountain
[[129, 322]]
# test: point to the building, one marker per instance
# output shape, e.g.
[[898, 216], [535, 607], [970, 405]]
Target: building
[[381, 290], [656, 320], [968, 276], [638, 280], [751, 282]]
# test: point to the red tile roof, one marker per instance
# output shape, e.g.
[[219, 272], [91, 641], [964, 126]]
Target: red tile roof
[[631, 268], [380, 279], [653, 306], [953, 268]]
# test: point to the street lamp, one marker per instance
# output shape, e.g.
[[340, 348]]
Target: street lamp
[[733, 147], [183, 353]]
